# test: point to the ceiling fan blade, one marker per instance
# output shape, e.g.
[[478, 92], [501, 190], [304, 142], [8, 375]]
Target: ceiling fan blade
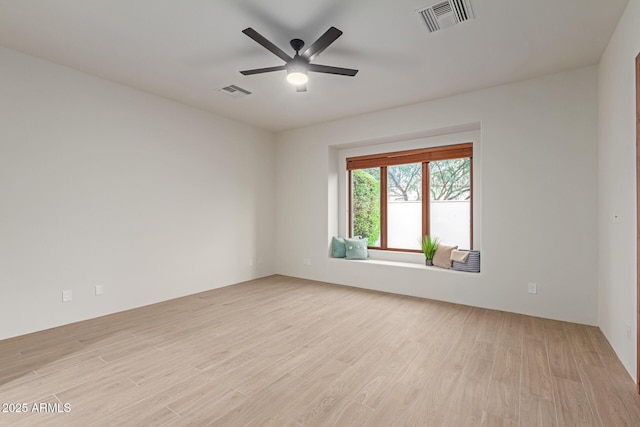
[[322, 43], [301, 88], [267, 44], [263, 70], [332, 70]]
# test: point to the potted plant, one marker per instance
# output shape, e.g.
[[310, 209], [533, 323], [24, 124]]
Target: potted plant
[[429, 246]]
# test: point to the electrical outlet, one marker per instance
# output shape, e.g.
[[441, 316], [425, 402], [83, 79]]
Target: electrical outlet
[[629, 331], [250, 262], [99, 290], [308, 261], [67, 295], [532, 288]]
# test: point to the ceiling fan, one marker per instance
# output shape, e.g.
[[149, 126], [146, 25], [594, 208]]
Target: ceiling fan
[[298, 66]]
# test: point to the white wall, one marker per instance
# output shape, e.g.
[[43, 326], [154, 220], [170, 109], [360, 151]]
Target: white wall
[[617, 187], [538, 203], [104, 184]]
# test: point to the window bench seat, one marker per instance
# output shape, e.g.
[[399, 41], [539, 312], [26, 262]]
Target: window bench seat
[[399, 264]]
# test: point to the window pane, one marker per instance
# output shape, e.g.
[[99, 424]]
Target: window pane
[[404, 206], [365, 191], [450, 208]]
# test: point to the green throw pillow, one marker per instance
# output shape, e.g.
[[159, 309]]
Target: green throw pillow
[[356, 248], [338, 249]]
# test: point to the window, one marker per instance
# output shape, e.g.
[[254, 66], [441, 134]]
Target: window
[[397, 198]]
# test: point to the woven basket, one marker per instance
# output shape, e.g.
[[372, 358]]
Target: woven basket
[[472, 265]]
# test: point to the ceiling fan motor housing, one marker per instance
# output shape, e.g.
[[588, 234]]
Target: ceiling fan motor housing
[[298, 64]]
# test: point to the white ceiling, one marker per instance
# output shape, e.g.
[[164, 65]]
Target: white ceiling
[[186, 50]]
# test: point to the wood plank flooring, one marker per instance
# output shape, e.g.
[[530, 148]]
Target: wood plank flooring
[[281, 351]]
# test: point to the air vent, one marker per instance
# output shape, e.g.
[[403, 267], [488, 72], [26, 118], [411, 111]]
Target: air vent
[[234, 91], [446, 14]]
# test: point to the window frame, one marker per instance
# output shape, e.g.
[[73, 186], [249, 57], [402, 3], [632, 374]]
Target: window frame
[[423, 156]]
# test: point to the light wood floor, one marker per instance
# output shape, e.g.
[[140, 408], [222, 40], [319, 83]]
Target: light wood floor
[[287, 352]]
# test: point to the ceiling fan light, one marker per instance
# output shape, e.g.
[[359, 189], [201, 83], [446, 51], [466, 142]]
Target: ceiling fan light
[[297, 78]]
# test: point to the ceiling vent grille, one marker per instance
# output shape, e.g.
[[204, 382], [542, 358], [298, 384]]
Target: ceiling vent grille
[[234, 91], [446, 14]]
